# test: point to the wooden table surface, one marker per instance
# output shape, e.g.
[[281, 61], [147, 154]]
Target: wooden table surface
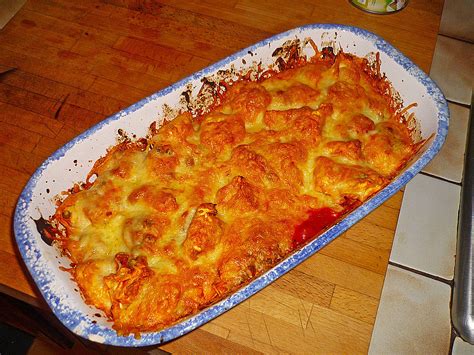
[[79, 61]]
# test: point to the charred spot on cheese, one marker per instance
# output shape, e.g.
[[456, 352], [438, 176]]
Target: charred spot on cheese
[[166, 225], [46, 230]]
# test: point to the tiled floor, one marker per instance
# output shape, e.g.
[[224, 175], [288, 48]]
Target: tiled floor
[[419, 243], [450, 160], [453, 68], [414, 311], [457, 19], [460, 347], [8, 9]]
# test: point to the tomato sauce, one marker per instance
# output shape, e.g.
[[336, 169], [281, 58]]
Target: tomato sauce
[[317, 221]]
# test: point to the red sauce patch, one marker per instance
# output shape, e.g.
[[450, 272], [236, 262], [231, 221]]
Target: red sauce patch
[[317, 221]]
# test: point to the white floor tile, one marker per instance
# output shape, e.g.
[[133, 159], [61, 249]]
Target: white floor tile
[[413, 315], [460, 347], [8, 9], [449, 162], [453, 70], [425, 238], [456, 20]]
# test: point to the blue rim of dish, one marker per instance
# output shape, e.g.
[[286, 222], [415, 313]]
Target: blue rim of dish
[[82, 325]]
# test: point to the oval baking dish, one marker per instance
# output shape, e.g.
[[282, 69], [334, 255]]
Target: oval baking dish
[[61, 170]]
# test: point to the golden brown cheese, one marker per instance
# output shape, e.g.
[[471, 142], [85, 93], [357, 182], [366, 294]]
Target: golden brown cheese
[[180, 220]]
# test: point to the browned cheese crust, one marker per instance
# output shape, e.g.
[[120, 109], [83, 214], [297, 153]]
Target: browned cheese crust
[[177, 222]]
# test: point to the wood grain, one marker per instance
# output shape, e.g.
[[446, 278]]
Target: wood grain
[[78, 62]]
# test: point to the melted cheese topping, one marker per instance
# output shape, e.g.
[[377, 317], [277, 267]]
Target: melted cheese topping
[[177, 222]]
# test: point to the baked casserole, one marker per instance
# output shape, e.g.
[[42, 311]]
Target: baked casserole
[[166, 225]]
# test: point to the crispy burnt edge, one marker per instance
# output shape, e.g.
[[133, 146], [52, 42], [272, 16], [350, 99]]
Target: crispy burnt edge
[[288, 56]]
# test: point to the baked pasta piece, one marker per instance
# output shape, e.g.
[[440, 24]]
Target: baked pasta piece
[[179, 220]]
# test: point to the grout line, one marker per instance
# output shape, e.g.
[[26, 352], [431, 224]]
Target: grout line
[[455, 38], [422, 273], [453, 330], [468, 106], [452, 339], [440, 178]]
